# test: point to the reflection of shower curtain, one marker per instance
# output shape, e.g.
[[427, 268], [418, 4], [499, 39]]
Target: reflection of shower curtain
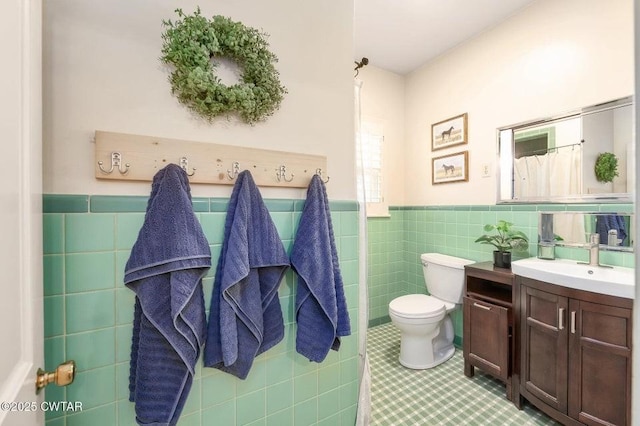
[[571, 227], [549, 175], [364, 400], [552, 175]]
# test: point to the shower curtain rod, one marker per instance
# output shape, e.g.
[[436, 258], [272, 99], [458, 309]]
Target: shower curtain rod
[[545, 150]]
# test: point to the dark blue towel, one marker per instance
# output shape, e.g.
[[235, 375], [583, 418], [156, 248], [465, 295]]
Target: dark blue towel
[[165, 270], [245, 318], [607, 222], [321, 308]]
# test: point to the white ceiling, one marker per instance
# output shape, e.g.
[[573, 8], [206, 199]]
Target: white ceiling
[[402, 35]]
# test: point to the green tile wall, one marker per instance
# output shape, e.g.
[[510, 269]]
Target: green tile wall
[[88, 315], [452, 230], [386, 264]]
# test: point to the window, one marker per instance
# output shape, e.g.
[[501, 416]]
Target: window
[[369, 157]]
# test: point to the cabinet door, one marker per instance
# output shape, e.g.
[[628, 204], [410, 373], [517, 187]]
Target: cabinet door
[[544, 346], [486, 337], [599, 363]]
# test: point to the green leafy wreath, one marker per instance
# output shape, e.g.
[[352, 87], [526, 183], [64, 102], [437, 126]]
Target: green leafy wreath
[[191, 43], [606, 167]]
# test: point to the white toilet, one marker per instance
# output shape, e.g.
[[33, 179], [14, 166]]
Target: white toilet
[[424, 322]]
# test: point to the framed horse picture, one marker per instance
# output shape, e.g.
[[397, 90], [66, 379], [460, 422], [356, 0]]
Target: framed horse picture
[[449, 132], [450, 168]]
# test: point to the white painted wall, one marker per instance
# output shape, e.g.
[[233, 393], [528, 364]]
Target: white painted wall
[[382, 101], [553, 57], [596, 127], [623, 144], [102, 72]]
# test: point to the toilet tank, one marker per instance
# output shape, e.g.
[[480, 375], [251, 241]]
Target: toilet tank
[[444, 275]]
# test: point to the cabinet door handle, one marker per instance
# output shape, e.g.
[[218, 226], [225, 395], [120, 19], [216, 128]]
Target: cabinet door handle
[[573, 322], [486, 308], [560, 318]]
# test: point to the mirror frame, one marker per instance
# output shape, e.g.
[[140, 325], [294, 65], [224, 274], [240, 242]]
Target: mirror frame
[[505, 174]]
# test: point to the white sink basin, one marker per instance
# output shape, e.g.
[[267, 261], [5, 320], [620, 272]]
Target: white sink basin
[[616, 281]]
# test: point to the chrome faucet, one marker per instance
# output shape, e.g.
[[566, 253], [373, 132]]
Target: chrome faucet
[[594, 251]]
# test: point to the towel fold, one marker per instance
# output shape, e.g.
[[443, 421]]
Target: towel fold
[[165, 270], [321, 308], [245, 318]]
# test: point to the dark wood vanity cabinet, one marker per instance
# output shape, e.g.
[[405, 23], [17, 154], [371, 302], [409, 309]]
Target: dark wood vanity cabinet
[[575, 351], [488, 321]]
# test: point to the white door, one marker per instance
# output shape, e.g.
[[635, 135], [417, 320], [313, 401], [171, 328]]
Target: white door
[[21, 339]]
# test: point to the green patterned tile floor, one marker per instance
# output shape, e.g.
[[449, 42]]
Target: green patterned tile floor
[[438, 396]]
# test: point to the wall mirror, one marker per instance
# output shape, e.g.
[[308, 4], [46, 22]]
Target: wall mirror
[[553, 159], [573, 229]]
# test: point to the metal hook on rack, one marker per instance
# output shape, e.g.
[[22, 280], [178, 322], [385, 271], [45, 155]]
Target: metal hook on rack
[[319, 173], [280, 174], [236, 169], [116, 161], [184, 163]]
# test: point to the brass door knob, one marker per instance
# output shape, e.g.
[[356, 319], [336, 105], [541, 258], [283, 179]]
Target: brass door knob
[[62, 376]]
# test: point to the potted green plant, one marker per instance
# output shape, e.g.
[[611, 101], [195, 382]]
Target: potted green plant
[[505, 239]]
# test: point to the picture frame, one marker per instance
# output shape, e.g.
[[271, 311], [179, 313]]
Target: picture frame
[[450, 168], [449, 132]]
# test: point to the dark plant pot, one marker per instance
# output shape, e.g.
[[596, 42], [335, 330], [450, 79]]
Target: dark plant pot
[[502, 259]]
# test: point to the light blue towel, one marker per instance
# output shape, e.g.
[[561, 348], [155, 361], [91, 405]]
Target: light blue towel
[[321, 308], [245, 318], [165, 270]]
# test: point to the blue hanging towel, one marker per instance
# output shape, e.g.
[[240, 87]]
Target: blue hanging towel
[[321, 308], [165, 270], [245, 318], [607, 222]]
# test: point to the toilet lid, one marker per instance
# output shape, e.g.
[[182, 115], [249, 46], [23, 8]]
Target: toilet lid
[[417, 306]]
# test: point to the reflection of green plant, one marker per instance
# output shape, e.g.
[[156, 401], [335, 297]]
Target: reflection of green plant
[[606, 167], [505, 239], [191, 43]]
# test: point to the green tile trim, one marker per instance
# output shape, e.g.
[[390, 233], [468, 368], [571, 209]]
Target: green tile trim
[[619, 208], [344, 206], [118, 203], [278, 205], [583, 207], [135, 204], [218, 204], [53, 203], [551, 207], [523, 208], [200, 204], [56, 203]]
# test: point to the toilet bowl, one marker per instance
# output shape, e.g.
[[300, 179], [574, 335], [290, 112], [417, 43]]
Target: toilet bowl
[[426, 329]]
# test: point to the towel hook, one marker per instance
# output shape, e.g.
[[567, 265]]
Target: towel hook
[[236, 169], [281, 172], [116, 161], [184, 163], [319, 173]]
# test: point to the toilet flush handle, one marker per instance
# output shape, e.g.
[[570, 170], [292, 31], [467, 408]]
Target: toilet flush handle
[[62, 376]]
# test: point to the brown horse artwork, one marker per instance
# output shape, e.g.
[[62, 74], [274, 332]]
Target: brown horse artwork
[[447, 133], [448, 169]]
